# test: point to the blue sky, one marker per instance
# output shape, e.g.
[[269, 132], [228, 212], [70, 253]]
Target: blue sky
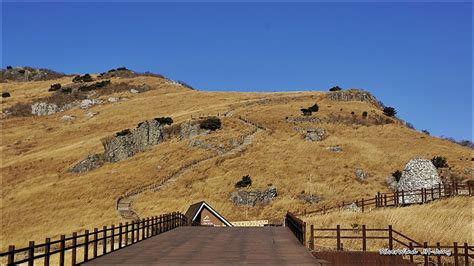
[[416, 57]]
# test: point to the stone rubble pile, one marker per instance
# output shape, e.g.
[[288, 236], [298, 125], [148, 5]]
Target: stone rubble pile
[[315, 134]]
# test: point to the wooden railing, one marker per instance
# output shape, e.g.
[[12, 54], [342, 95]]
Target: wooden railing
[[92, 244], [297, 226], [399, 198], [460, 254]]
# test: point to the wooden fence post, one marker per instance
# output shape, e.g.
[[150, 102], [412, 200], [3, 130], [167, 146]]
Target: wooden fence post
[[47, 250], [86, 245], [73, 250], [160, 223], [362, 204], [410, 245], [62, 246], [466, 254], [385, 199], [96, 240], [378, 200], [120, 236], [31, 253], [390, 237], [11, 254], [311, 233], [112, 238], [438, 246], [338, 237], [104, 241], [364, 238], [439, 190], [143, 228], [403, 197], [456, 256], [126, 234], [426, 257], [133, 232], [432, 194]]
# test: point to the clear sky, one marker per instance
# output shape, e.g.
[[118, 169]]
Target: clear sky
[[416, 57]]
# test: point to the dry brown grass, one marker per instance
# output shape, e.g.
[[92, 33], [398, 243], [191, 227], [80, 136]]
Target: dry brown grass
[[445, 221], [41, 199]]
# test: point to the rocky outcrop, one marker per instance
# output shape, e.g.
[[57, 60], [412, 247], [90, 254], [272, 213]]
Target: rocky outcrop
[[352, 95], [252, 198], [24, 74], [418, 173], [311, 199], [87, 103], [315, 134], [304, 119], [92, 161], [43, 108], [190, 130], [127, 143], [361, 175]]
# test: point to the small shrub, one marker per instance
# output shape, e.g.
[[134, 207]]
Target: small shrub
[[212, 123], [164, 120], [397, 175], [245, 182], [84, 78], [55, 87], [123, 132], [66, 90], [94, 86], [306, 112], [112, 70], [9, 67], [5, 94], [409, 125], [440, 162], [314, 108], [21, 71], [426, 132], [335, 88], [121, 69], [389, 111], [184, 84], [365, 114], [352, 113]]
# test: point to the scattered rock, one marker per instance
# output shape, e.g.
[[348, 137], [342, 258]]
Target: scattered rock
[[43, 108], [90, 114], [353, 207], [311, 199], [92, 161], [5, 94], [252, 198], [391, 183], [361, 175], [418, 173], [68, 118], [316, 134], [335, 148], [113, 99], [134, 91], [23, 74], [87, 103]]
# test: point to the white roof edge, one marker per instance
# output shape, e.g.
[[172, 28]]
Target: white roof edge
[[213, 211]]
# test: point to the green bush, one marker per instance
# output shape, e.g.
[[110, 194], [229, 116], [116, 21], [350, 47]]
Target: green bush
[[94, 86], [440, 162], [9, 67], [123, 132], [84, 78], [164, 120], [314, 108], [245, 182], [5, 94], [55, 87], [365, 114], [397, 175], [335, 88], [389, 111], [212, 123]]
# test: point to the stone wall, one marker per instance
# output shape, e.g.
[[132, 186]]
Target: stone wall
[[352, 95]]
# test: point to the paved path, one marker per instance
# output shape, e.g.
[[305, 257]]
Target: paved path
[[214, 245]]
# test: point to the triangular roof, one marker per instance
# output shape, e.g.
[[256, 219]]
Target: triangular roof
[[196, 208]]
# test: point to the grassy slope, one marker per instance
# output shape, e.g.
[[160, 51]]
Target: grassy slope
[[40, 199]]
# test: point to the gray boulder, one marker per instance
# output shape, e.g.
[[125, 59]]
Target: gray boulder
[[87, 103], [43, 108], [335, 148], [352, 207], [252, 198], [92, 161], [315, 134], [361, 175], [190, 130], [418, 173], [311, 199]]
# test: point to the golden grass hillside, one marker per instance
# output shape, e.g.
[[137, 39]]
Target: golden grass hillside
[[40, 198]]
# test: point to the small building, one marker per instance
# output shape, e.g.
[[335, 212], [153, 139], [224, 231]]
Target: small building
[[202, 214]]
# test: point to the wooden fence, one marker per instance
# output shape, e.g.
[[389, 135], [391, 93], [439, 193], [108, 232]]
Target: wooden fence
[[399, 198], [93, 243], [461, 254], [297, 226]]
